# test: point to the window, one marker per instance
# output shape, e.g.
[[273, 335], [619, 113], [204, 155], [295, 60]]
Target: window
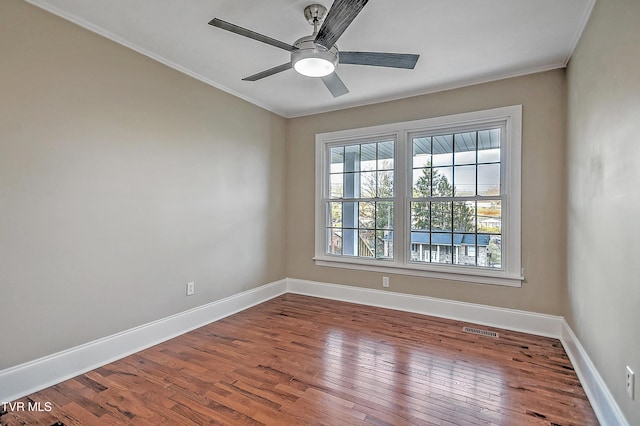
[[361, 196], [438, 197], [455, 199]]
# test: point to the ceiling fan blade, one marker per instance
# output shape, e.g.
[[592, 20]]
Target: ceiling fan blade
[[251, 34], [267, 73], [340, 16], [335, 85], [378, 59]]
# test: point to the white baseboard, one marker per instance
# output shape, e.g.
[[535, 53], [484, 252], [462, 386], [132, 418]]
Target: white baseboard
[[39, 374], [605, 407], [511, 319]]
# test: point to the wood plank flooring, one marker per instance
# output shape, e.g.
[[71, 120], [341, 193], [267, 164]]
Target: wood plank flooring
[[299, 360]]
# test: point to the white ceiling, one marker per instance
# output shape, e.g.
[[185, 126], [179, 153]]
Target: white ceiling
[[460, 42]]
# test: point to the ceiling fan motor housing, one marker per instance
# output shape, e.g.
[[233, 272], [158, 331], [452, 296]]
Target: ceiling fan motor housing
[[313, 60]]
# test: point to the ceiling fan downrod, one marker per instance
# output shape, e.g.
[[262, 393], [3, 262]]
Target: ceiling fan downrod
[[314, 14]]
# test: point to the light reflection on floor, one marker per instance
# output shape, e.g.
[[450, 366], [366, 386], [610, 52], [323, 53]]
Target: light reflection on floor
[[414, 379]]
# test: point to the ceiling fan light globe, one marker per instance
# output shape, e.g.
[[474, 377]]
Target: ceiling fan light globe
[[312, 60], [314, 67]]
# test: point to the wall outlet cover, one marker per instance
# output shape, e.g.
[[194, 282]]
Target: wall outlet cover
[[191, 288], [630, 379]]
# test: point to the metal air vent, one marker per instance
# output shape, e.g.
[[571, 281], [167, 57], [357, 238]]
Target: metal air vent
[[480, 332]]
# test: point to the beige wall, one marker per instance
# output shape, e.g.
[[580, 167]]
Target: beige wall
[[543, 246], [603, 188], [120, 181]]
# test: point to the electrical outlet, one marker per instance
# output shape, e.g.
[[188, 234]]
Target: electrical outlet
[[191, 288], [630, 381], [385, 281]]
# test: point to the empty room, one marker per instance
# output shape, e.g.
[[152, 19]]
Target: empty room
[[346, 212]]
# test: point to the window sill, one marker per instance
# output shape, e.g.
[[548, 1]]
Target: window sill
[[469, 275]]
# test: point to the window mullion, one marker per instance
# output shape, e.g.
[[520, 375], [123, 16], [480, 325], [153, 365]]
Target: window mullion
[[400, 195], [475, 207]]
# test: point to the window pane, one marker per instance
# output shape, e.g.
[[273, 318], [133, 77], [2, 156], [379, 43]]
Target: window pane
[[385, 184], [334, 214], [465, 181], [351, 185], [489, 156], [441, 248], [420, 253], [422, 182], [466, 253], [420, 216], [368, 184], [442, 150], [337, 160], [350, 241], [489, 146], [465, 145], [350, 215], [421, 152], [385, 155], [334, 241], [441, 216], [467, 157], [366, 244], [352, 158], [441, 185], [336, 189], [489, 179], [490, 251], [384, 244], [490, 217], [420, 247], [367, 215], [464, 216], [455, 252], [384, 215], [368, 157]]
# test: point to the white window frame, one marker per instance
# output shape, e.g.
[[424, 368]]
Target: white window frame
[[511, 273]]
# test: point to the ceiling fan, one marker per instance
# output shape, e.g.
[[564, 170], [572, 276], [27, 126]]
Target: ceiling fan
[[317, 55]]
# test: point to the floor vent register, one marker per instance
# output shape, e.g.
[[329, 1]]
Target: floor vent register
[[480, 332]]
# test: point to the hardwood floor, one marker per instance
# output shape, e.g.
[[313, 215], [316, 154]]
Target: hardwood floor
[[302, 360]]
